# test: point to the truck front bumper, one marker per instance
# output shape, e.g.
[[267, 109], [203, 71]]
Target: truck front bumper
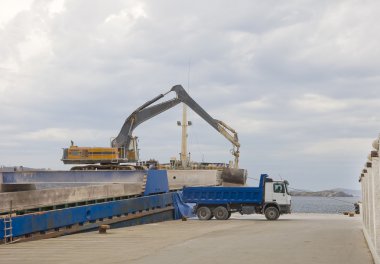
[[285, 209]]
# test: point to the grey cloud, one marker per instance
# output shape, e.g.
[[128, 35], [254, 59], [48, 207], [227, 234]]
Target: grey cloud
[[264, 67]]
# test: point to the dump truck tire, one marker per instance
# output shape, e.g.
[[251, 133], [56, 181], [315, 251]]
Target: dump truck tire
[[204, 213], [221, 213], [271, 213]]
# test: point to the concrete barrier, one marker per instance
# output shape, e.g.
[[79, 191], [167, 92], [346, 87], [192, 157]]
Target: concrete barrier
[[50, 197], [179, 178], [50, 178], [13, 181], [370, 185]]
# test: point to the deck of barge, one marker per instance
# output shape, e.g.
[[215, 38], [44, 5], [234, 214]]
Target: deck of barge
[[296, 238]]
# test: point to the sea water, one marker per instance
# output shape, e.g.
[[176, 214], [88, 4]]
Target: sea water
[[325, 205]]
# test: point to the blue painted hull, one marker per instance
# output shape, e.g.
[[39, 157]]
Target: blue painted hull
[[50, 220], [156, 204]]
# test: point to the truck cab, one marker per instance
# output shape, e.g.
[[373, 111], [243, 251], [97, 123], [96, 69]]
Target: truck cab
[[276, 193]]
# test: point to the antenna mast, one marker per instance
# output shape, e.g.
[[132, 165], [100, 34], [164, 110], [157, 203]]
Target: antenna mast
[[184, 157]]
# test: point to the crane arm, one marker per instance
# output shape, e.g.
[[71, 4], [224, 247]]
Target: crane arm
[[139, 116], [229, 133], [145, 112]]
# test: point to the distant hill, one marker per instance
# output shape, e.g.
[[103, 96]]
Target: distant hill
[[327, 193], [355, 193]]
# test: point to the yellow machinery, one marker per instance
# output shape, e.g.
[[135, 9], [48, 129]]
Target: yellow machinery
[[124, 147], [84, 155], [100, 155]]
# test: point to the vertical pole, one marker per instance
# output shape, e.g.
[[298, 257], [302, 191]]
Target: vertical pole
[[362, 209], [369, 204], [376, 175], [184, 158], [372, 202], [366, 200]]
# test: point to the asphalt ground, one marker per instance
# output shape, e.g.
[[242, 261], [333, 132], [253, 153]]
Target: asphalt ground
[[295, 238]]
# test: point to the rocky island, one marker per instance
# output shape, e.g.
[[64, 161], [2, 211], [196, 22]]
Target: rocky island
[[327, 193]]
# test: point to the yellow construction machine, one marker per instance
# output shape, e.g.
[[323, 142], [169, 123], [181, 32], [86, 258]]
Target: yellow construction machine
[[124, 148]]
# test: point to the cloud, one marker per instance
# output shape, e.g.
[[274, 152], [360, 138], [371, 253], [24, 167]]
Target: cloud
[[61, 134], [262, 103], [290, 77], [56, 7], [338, 147], [10, 9], [127, 15], [318, 103], [323, 104]]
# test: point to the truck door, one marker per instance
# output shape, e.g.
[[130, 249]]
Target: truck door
[[279, 194]]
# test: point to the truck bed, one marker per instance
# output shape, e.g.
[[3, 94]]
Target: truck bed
[[223, 195]]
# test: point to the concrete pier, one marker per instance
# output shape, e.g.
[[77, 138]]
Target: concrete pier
[[59, 179], [296, 238], [370, 184], [50, 197], [179, 178]]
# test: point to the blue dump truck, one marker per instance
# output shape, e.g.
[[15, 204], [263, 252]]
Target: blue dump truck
[[270, 198]]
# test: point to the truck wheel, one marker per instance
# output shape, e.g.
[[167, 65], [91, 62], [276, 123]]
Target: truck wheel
[[272, 213], [204, 213], [221, 213]]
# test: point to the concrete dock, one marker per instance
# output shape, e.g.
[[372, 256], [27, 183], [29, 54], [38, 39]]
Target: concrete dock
[[296, 238]]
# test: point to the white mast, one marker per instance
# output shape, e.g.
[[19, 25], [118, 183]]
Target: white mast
[[184, 158]]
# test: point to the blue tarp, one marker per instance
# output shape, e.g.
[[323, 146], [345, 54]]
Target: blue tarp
[[181, 209]]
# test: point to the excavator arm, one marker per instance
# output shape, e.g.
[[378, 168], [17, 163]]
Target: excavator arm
[[146, 111]]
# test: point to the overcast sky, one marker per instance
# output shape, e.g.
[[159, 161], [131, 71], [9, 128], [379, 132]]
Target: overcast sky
[[298, 80]]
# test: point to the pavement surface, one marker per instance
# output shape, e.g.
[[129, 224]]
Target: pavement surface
[[296, 238]]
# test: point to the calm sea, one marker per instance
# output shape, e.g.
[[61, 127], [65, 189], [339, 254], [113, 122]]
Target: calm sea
[[325, 205]]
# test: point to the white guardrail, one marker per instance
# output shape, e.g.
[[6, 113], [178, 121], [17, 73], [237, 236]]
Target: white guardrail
[[370, 184]]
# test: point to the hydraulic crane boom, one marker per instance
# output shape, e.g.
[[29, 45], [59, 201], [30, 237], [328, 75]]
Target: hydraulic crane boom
[[146, 111], [124, 147]]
